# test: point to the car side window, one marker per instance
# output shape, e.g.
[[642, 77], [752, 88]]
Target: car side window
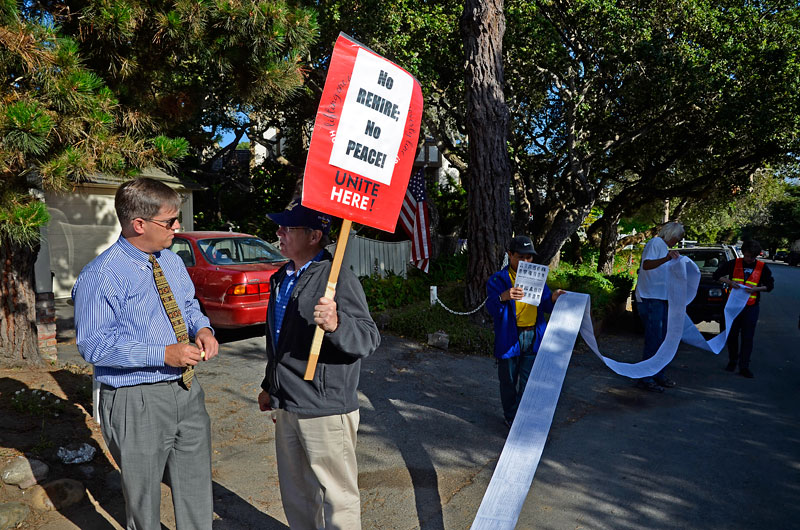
[[239, 251], [183, 249]]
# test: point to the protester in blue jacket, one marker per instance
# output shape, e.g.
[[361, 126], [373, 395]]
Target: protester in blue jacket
[[518, 327]]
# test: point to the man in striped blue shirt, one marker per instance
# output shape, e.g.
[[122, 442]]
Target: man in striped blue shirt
[[150, 423]]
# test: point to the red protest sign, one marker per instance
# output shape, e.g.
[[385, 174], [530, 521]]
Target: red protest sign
[[365, 138]]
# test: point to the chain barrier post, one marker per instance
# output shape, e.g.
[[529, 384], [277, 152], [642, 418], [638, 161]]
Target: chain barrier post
[[435, 300]]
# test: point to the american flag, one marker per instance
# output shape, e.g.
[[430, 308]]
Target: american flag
[[416, 221]]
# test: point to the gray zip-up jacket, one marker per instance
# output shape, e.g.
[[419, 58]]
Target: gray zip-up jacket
[[334, 387]]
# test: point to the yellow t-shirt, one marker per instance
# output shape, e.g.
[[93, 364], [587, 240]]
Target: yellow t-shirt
[[526, 313]]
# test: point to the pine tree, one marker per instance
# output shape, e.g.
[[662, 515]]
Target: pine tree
[[113, 87]]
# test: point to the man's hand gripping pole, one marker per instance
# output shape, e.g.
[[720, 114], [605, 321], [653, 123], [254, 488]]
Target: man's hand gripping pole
[[330, 292]]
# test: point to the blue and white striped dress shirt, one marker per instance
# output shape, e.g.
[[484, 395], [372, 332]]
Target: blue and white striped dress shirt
[[284, 292], [121, 326]]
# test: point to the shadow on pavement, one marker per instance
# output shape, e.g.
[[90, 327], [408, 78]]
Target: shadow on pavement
[[236, 513], [225, 336], [424, 479]]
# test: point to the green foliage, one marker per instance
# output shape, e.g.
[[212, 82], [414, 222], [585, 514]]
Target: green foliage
[[114, 86], [270, 188], [20, 221], [26, 127], [606, 292], [59, 121], [720, 218], [781, 226], [409, 313], [419, 319], [451, 203], [444, 269], [395, 291], [171, 147], [615, 103], [392, 291]]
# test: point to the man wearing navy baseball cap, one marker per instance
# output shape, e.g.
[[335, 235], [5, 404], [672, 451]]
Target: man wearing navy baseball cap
[[518, 327], [297, 215], [316, 421]]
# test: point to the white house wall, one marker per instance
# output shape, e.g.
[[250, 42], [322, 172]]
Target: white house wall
[[81, 227]]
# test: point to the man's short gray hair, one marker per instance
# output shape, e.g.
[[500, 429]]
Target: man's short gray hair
[[672, 230], [324, 239]]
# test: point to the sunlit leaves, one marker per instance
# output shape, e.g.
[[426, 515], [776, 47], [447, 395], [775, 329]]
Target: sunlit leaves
[[21, 217], [26, 127], [170, 148], [60, 122]]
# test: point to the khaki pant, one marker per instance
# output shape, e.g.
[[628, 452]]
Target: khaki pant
[[317, 470]]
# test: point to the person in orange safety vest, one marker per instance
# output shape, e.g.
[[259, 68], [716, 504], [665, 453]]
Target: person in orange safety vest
[[754, 276]]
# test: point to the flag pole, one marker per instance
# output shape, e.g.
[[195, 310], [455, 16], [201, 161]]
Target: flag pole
[[330, 292]]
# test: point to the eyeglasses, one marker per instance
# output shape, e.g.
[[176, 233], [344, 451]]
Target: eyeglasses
[[169, 223], [290, 228]]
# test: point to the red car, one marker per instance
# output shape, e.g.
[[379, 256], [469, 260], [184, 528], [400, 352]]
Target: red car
[[231, 273]]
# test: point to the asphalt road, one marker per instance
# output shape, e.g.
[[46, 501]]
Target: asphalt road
[[717, 452]]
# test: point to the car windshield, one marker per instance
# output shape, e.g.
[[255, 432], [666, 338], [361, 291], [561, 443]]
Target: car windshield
[[707, 260], [239, 250]]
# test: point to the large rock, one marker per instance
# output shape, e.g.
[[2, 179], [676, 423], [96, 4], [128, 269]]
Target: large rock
[[11, 514], [25, 472], [57, 495]]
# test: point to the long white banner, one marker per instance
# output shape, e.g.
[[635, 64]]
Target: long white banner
[[517, 465]]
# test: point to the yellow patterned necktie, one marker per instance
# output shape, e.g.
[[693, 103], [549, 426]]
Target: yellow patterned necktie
[[175, 316]]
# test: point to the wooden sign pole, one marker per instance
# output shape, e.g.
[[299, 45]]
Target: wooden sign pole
[[330, 292]]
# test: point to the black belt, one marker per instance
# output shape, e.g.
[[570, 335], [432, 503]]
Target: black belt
[[167, 382]]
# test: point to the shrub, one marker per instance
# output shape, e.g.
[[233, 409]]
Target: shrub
[[406, 301], [419, 319], [607, 292], [395, 291]]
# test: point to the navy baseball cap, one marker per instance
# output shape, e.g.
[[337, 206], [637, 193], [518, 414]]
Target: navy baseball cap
[[298, 215], [522, 245]]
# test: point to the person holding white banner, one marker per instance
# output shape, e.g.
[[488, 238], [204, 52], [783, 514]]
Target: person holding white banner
[[518, 327], [651, 298], [754, 277]]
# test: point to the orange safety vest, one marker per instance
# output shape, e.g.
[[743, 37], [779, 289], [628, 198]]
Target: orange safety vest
[[752, 281]]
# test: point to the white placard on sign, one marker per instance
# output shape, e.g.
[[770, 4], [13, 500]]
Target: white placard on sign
[[373, 118], [531, 277]]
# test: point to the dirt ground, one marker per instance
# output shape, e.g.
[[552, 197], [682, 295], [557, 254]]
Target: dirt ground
[[44, 409]]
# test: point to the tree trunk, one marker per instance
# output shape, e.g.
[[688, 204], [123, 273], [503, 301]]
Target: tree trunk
[[608, 245], [18, 338], [488, 204], [552, 238]]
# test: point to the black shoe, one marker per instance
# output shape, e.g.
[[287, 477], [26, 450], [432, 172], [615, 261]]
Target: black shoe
[[731, 366], [744, 372], [651, 386]]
